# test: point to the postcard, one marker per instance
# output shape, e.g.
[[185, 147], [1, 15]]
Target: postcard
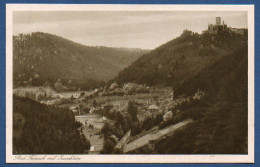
[[129, 83]]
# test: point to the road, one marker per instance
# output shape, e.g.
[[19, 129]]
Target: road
[[93, 135], [144, 140]]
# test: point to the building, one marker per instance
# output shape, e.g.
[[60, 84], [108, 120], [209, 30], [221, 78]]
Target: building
[[167, 116], [218, 20], [153, 108], [113, 86], [241, 31], [129, 86], [92, 110], [104, 118], [198, 95], [76, 96], [214, 28], [74, 109]]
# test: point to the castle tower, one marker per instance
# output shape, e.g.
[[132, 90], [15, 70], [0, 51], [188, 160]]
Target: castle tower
[[218, 20]]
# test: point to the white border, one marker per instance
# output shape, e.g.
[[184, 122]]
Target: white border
[[10, 158]]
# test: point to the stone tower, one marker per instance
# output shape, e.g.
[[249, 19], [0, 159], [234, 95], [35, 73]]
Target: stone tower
[[218, 20]]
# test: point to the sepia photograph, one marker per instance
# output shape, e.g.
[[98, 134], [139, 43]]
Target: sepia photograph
[[92, 82]]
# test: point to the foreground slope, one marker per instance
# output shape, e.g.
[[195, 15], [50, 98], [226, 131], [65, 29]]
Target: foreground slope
[[44, 58], [220, 118], [43, 129]]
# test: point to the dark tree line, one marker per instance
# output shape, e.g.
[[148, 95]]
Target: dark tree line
[[42, 129]]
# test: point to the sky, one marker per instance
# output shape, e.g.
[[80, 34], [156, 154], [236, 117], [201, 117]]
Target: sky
[[130, 29]]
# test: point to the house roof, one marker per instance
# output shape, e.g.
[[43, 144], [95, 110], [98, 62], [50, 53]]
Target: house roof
[[153, 107]]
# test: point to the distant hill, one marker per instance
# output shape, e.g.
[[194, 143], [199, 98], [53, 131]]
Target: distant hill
[[41, 58], [182, 58], [43, 129]]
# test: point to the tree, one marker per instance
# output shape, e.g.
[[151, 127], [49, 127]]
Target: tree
[[119, 117], [82, 94], [132, 110], [108, 146], [105, 129], [94, 103]]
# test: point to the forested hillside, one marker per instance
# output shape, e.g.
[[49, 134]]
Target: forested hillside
[[220, 119], [182, 58], [42, 129], [41, 58]]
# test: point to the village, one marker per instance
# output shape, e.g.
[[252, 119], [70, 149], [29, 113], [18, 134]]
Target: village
[[94, 108]]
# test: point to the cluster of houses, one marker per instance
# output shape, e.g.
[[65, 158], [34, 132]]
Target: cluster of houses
[[150, 107], [154, 109], [127, 88]]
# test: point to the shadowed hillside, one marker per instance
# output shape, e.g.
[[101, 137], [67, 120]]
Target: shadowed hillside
[[182, 58], [220, 119], [41, 58], [42, 129]]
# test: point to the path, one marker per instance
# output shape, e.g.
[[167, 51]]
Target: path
[[93, 135], [144, 140]]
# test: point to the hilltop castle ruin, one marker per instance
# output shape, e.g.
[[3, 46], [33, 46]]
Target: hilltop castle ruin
[[218, 26], [214, 28]]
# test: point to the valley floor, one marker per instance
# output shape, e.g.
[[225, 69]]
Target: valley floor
[[89, 106]]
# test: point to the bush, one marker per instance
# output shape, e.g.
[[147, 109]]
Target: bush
[[78, 124], [108, 147], [66, 101]]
